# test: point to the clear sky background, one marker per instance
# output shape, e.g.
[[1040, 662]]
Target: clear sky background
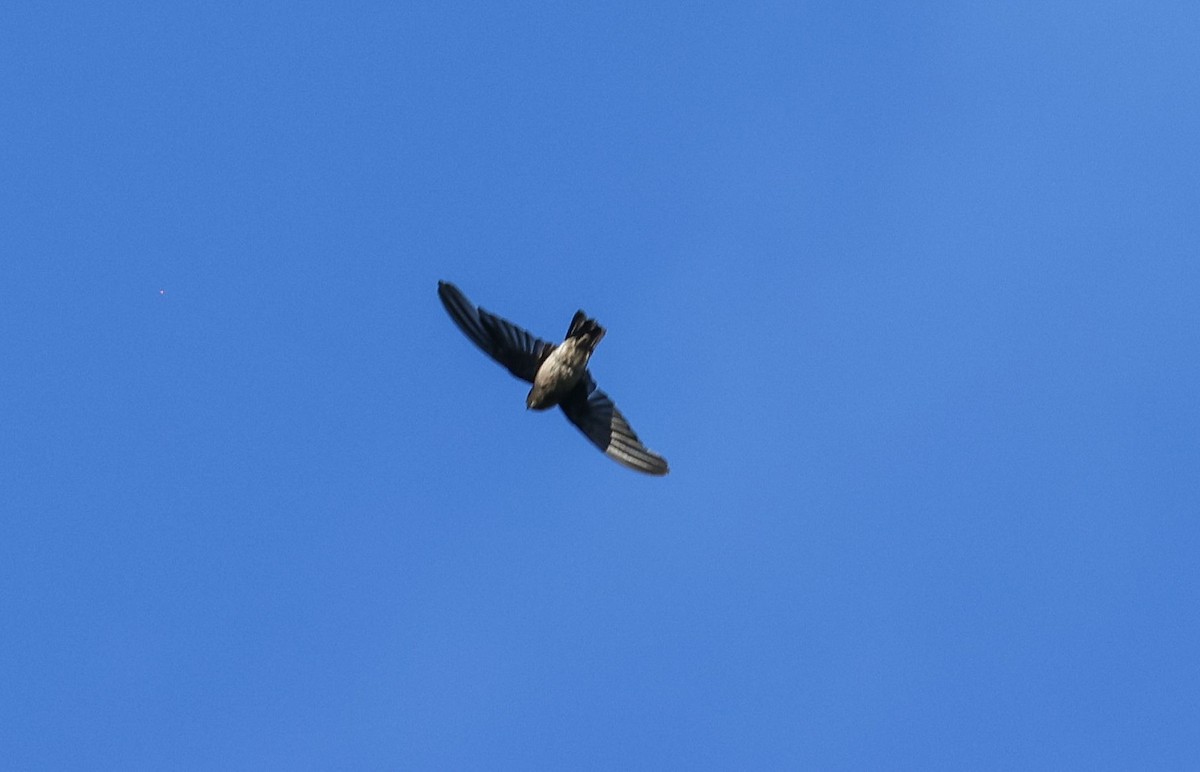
[[908, 298]]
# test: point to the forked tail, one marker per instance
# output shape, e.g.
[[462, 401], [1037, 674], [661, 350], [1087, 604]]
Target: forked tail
[[587, 330]]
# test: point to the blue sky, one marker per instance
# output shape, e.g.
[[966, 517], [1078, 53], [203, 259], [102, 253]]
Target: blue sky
[[908, 298]]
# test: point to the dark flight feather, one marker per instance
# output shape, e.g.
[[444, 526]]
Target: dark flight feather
[[515, 348], [597, 417]]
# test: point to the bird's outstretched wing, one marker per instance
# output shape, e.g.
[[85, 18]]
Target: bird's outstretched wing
[[597, 417], [508, 344]]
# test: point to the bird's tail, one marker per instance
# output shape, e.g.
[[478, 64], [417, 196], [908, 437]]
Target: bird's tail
[[588, 330]]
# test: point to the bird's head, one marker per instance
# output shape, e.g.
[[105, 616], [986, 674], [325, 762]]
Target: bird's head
[[537, 400]]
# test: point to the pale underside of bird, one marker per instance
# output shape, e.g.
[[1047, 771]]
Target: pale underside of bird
[[559, 376]]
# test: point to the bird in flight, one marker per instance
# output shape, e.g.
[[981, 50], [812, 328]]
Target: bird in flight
[[559, 375]]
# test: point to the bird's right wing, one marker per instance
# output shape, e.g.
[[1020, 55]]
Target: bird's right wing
[[598, 418], [508, 344]]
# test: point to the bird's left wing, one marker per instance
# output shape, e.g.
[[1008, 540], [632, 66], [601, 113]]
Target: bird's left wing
[[598, 418], [515, 348]]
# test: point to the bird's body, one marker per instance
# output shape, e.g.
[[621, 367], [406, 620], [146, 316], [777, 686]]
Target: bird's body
[[556, 377], [566, 364], [559, 374]]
